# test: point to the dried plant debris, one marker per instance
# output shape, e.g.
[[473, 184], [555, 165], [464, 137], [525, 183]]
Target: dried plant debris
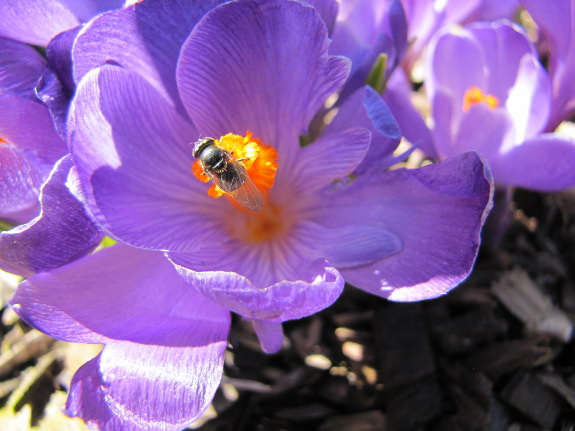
[[519, 293]]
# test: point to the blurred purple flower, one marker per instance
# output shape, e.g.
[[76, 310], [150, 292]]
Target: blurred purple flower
[[490, 94], [556, 21], [154, 77], [426, 17]]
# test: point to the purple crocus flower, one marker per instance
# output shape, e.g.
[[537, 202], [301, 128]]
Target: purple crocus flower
[[556, 21], [154, 77], [489, 93]]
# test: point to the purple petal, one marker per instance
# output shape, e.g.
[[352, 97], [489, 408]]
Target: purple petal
[[21, 176], [275, 282], [27, 125], [411, 123], [425, 18], [134, 386], [484, 130], [20, 68], [352, 245], [544, 164], [503, 45], [529, 99], [62, 233], [436, 211], [366, 109], [455, 65], [87, 9], [259, 66], [120, 294], [35, 21], [145, 38], [328, 11], [555, 20], [490, 10], [329, 158], [270, 335], [134, 158]]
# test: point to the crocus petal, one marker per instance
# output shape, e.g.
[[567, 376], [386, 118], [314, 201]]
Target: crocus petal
[[365, 108], [327, 10], [529, 99], [134, 158], [145, 38], [503, 45], [544, 164], [436, 211], [35, 21], [231, 81], [134, 387], [484, 130], [133, 295], [412, 125], [352, 245], [21, 176], [61, 233], [455, 65], [20, 68], [270, 335], [274, 282], [329, 158], [27, 124]]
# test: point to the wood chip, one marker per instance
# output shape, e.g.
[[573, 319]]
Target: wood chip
[[525, 300]]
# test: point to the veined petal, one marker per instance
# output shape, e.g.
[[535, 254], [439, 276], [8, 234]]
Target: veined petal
[[20, 68], [436, 211], [120, 294], [352, 245], [137, 387], [145, 38], [331, 157], [275, 281], [134, 158], [61, 233], [21, 176], [545, 163], [230, 80], [35, 21], [365, 108]]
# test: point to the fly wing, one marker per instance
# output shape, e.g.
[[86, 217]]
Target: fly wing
[[236, 182]]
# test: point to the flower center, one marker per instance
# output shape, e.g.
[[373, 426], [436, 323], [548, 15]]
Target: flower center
[[258, 159], [271, 223], [475, 96]]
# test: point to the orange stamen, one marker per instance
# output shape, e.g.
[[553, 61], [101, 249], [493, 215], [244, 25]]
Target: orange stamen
[[259, 159], [475, 96], [3, 141]]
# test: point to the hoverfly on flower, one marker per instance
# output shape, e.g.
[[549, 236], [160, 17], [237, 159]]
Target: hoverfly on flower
[[227, 173]]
